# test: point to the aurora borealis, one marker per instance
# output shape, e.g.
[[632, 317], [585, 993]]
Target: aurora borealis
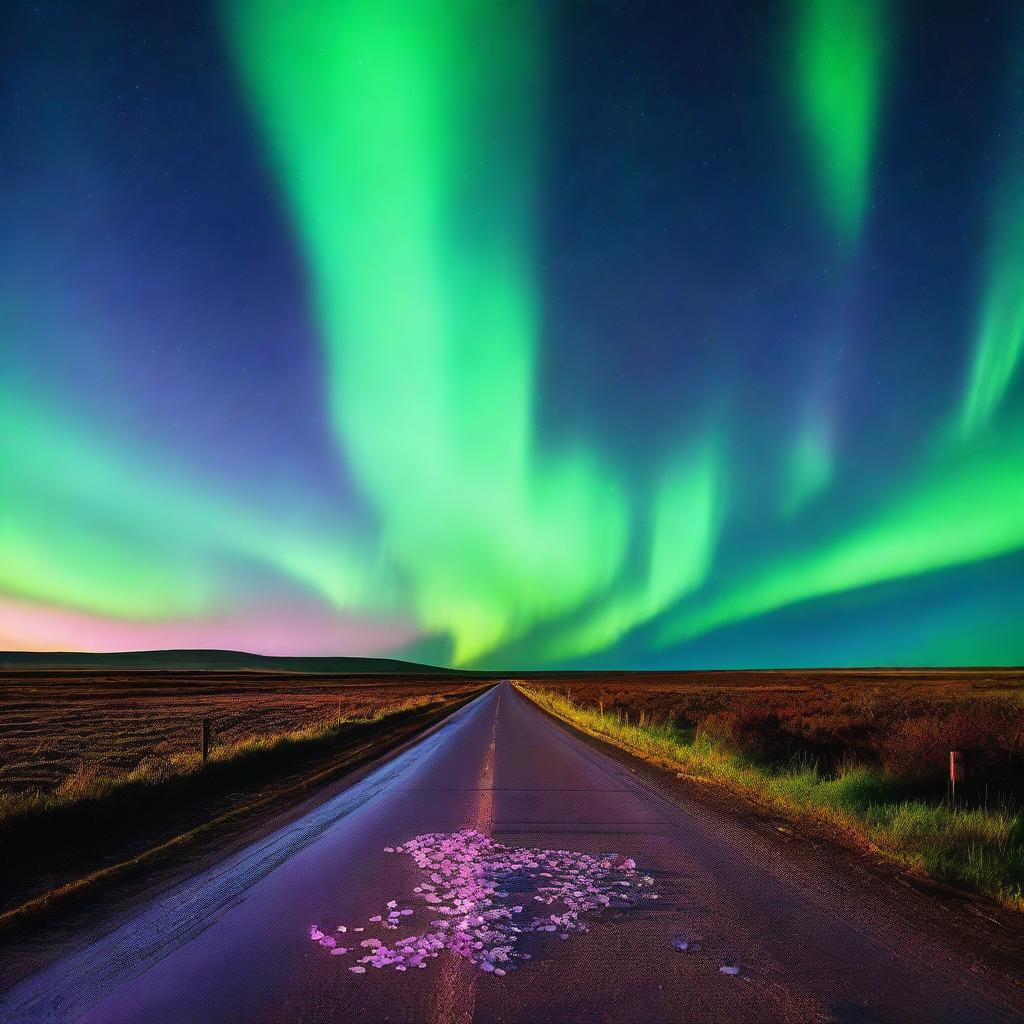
[[515, 335]]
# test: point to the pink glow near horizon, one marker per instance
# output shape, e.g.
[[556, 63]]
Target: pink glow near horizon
[[29, 627]]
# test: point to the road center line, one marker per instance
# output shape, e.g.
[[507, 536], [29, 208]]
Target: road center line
[[455, 998]]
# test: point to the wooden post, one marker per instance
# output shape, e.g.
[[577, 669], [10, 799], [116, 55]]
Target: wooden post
[[206, 740], [956, 769], [600, 706]]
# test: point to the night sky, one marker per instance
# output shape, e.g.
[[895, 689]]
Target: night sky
[[509, 335]]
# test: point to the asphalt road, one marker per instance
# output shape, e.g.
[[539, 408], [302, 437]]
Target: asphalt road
[[234, 944]]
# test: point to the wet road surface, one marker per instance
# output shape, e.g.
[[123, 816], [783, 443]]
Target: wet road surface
[[235, 943]]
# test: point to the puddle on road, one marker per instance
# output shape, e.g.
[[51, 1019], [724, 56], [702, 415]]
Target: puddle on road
[[488, 902]]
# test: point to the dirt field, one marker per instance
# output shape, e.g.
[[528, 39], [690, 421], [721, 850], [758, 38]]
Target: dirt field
[[52, 727]]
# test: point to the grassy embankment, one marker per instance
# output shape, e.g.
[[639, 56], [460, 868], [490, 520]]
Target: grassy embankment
[[978, 848]]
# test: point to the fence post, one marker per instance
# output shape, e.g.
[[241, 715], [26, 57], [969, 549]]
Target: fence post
[[956, 769], [206, 740]]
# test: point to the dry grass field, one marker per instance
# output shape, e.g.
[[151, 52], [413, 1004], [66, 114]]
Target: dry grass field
[[56, 729], [62, 735], [902, 722]]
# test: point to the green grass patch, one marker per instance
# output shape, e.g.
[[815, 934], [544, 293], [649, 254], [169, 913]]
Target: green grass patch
[[977, 849]]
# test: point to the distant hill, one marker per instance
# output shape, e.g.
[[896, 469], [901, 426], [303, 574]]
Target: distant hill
[[242, 661], [207, 661]]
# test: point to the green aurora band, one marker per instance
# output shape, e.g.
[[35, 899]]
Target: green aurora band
[[999, 338], [810, 467], [961, 509], [837, 71], [409, 158], [145, 543], [686, 517]]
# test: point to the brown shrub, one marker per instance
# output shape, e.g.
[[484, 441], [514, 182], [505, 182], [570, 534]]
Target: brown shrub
[[754, 733], [917, 749]]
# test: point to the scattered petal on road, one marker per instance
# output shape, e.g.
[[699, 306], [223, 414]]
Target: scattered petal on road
[[468, 878]]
